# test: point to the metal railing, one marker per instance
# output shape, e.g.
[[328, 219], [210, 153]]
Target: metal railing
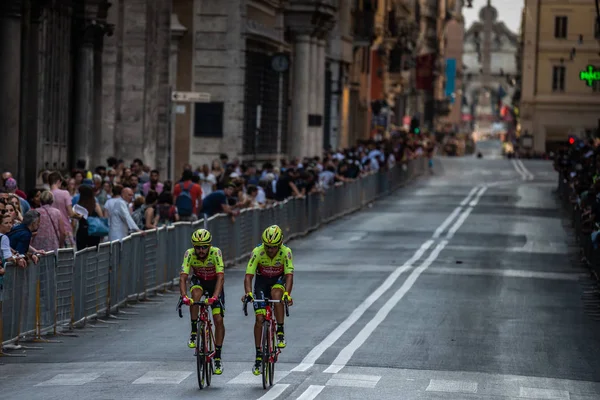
[[67, 288]]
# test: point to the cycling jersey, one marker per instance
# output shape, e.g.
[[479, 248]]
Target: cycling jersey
[[206, 270], [262, 265]]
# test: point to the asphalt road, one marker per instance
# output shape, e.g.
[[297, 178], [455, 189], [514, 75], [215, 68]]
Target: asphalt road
[[399, 301]]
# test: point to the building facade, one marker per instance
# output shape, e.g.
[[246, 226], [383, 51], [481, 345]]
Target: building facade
[[252, 113], [82, 81], [453, 91], [489, 70], [560, 46]]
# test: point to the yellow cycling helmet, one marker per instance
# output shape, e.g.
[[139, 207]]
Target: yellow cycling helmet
[[272, 236], [201, 237]]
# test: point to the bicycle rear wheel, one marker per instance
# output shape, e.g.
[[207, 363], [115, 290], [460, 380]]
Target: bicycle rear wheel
[[200, 357], [266, 353]]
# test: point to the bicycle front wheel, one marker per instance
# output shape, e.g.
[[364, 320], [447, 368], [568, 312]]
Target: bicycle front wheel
[[200, 357], [209, 346], [266, 350], [274, 351]]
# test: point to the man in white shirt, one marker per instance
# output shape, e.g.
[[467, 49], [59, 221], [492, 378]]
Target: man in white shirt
[[119, 217]]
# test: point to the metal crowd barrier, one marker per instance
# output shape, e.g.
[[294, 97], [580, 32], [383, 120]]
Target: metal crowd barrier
[[583, 234], [67, 288]]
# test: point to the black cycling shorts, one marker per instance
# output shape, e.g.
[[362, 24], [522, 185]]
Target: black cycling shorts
[[218, 307], [264, 285]]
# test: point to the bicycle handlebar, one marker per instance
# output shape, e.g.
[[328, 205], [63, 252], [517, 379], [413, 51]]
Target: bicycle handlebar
[[263, 300], [181, 303]]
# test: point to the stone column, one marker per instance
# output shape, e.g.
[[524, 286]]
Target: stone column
[[10, 84], [177, 31], [110, 93], [84, 95], [300, 98], [320, 78], [336, 93], [313, 107]]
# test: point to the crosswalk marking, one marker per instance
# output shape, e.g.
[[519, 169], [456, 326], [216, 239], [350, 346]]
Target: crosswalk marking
[[350, 380], [535, 393], [441, 385], [247, 377], [312, 392], [162, 377], [75, 379]]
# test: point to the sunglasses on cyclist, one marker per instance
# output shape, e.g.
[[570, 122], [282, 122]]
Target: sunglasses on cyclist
[[205, 247]]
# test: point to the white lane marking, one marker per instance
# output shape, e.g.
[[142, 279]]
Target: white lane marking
[[459, 223], [518, 169], [508, 273], [351, 380], [442, 385], [447, 222], [468, 198], [162, 378], [474, 202], [535, 393], [344, 356], [326, 343], [319, 349], [248, 378], [528, 175], [75, 379], [501, 183], [310, 393], [275, 391]]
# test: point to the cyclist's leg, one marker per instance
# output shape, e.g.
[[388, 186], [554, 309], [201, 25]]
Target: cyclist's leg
[[261, 284], [218, 310], [277, 294], [196, 292]]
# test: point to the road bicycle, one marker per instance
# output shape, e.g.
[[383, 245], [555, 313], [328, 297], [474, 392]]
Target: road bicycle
[[205, 342], [270, 351]]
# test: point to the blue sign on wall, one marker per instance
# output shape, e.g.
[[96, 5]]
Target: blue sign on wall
[[450, 78]]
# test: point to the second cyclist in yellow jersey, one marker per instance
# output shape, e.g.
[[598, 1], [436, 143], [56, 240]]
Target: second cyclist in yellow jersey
[[205, 263], [272, 263]]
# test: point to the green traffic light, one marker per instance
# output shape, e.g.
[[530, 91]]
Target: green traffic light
[[417, 130]]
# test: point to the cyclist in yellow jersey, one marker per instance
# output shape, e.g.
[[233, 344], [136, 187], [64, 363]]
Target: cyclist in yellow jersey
[[272, 263], [205, 262]]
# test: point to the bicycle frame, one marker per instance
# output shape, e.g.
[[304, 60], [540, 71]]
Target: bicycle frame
[[205, 324], [270, 355], [271, 321], [205, 342]]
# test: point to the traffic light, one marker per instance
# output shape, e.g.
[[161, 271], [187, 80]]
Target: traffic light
[[415, 126], [571, 140]]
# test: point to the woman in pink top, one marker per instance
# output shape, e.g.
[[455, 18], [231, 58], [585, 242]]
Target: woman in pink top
[[62, 201]]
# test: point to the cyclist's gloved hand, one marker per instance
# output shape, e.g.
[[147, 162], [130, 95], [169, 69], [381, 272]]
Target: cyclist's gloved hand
[[186, 300], [211, 300], [249, 297], [288, 298]]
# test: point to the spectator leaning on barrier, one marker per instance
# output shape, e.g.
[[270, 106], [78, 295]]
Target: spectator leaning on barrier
[[20, 235], [5, 251], [217, 202]]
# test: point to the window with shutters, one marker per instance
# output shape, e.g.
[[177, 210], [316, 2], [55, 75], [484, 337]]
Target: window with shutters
[[558, 78], [560, 27]]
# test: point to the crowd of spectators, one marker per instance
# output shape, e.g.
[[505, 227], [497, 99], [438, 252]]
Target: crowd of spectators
[[578, 166], [84, 207]]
